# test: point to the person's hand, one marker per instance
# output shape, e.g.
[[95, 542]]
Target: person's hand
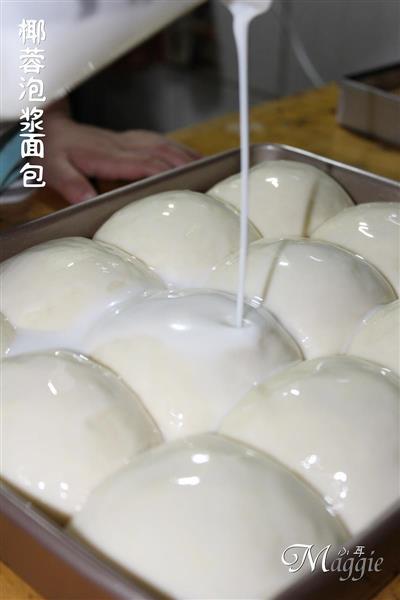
[[75, 152]]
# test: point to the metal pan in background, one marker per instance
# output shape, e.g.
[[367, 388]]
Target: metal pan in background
[[370, 103], [41, 552]]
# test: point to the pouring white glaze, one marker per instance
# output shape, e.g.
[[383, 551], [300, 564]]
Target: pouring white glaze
[[243, 12]]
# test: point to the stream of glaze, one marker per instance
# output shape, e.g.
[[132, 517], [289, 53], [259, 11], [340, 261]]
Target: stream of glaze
[[243, 12]]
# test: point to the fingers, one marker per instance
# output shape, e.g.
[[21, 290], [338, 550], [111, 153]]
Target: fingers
[[174, 153], [63, 177], [193, 154], [85, 151], [118, 165]]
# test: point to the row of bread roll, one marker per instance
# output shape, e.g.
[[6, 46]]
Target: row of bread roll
[[232, 509], [74, 444], [121, 330], [67, 422], [211, 501], [306, 297], [179, 352], [68, 283], [318, 291], [213, 515], [184, 237], [292, 199], [190, 366]]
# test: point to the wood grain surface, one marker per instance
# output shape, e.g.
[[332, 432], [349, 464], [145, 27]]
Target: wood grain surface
[[307, 121]]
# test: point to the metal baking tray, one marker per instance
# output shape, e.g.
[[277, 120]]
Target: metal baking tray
[[370, 103], [37, 548]]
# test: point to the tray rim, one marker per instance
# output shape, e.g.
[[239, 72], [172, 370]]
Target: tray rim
[[135, 584], [367, 88], [355, 80], [139, 185]]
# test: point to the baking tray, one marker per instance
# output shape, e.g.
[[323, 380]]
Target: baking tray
[[370, 103], [62, 568]]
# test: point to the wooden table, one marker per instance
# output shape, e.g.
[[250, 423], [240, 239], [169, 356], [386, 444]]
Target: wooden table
[[306, 121]]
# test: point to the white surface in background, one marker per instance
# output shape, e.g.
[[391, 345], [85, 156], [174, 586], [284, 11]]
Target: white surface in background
[[340, 37], [82, 37]]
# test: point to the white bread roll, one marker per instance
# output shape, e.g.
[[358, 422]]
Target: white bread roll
[[67, 424], [334, 421], [370, 230], [319, 292], [378, 337], [184, 358], [285, 197], [60, 284], [206, 518], [179, 234]]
